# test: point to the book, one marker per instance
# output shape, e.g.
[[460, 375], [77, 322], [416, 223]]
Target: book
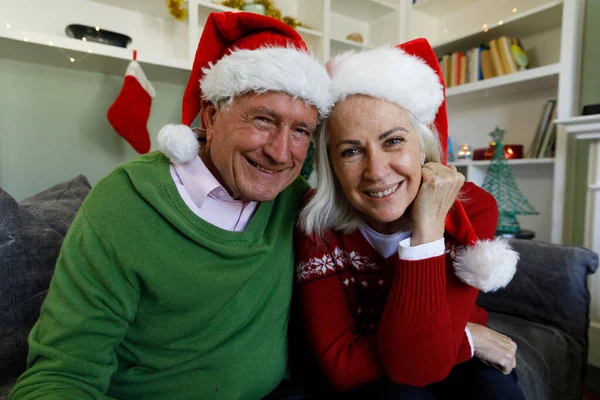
[[462, 76], [454, 68], [496, 60], [549, 135], [504, 47], [477, 65], [487, 67], [474, 65], [541, 129], [446, 68], [469, 54], [551, 151]]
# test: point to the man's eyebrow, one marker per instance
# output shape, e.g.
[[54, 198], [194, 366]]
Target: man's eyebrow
[[264, 110], [310, 127], [273, 114], [348, 141], [388, 133]]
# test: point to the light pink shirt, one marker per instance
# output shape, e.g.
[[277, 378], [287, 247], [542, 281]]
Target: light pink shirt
[[208, 199]]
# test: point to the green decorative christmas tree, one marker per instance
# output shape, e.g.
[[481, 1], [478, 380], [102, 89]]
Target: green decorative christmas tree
[[500, 182]]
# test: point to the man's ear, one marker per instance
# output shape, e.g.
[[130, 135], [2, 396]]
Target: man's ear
[[208, 114]]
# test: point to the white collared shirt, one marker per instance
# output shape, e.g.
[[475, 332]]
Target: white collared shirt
[[208, 199]]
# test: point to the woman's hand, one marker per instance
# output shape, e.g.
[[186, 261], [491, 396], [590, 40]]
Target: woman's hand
[[439, 188], [494, 348]]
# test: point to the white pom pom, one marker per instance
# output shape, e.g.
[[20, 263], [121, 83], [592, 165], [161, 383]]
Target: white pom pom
[[178, 142], [488, 265]]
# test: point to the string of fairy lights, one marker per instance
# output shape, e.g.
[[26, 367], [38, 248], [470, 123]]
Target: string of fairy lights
[[70, 57]]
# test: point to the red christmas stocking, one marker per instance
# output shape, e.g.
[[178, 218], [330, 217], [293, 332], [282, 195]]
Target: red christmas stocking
[[130, 111]]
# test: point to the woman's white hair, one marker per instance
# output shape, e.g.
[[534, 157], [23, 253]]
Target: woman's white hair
[[329, 208]]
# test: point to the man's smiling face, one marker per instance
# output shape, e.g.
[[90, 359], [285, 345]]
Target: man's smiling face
[[257, 145]]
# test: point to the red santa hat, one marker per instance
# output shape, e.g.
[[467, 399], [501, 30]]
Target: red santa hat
[[410, 76], [240, 53]]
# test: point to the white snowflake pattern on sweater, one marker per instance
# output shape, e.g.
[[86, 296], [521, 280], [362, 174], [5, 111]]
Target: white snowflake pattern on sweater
[[320, 266]]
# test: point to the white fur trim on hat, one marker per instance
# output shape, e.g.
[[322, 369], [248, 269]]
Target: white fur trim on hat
[[488, 265], [388, 73], [278, 69], [178, 142]]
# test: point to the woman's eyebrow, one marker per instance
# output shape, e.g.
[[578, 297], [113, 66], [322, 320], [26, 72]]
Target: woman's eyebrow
[[387, 133], [348, 141]]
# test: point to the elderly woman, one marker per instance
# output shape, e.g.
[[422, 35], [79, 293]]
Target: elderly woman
[[389, 262]]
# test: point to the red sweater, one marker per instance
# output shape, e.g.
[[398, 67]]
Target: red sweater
[[368, 317]]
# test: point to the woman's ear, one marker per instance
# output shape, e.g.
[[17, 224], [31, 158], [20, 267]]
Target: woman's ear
[[208, 114], [422, 158]]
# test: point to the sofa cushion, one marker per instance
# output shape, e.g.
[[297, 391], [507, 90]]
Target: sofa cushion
[[57, 205], [30, 240], [549, 361], [549, 287], [28, 251]]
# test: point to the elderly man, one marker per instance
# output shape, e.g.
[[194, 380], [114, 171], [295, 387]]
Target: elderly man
[[175, 279]]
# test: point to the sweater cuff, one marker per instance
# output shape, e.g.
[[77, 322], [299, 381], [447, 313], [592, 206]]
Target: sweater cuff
[[421, 286], [422, 251]]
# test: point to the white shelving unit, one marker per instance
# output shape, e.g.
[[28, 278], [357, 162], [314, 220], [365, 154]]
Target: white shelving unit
[[378, 22], [165, 46], [440, 8], [539, 170], [501, 86], [369, 10], [486, 163], [548, 30], [161, 41], [527, 22]]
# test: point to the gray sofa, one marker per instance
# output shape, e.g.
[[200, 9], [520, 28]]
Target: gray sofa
[[544, 309]]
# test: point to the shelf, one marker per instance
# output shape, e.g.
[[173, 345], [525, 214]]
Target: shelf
[[212, 7], [439, 8], [519, 161], [46, 49], [349, 43], [518, 82], [523, 24], [154, 8], [363, 10], [215, 7], [309, 32]]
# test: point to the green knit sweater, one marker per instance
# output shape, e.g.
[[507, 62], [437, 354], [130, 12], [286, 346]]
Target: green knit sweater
[[148, 301]]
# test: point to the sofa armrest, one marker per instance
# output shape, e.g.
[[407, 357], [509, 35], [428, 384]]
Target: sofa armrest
[[549, 287]]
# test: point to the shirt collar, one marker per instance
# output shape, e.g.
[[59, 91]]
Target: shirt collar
[[199, 182]]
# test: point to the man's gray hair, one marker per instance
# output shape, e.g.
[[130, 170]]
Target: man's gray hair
[[329, 208]]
